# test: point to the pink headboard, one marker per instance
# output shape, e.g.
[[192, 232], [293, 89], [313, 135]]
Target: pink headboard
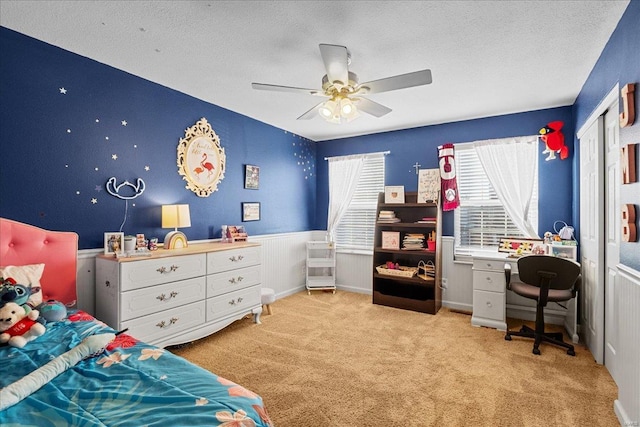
[[22, 244]]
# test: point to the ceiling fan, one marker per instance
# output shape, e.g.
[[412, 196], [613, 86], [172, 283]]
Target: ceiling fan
[[344, 91]]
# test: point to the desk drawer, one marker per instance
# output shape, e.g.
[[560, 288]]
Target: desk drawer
[[488, 264], [489, 305], [141, 302], [140, 274], [228, 281], [489, 281], [156, 326]]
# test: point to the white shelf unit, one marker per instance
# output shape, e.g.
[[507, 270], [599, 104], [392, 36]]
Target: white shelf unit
[[321, 266]]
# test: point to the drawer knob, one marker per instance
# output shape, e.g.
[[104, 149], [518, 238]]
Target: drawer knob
[[232, 302], [240, 299], [161, 324], [232, 280], [488, 279], [173, 320], [236, 258], [240, 278], [161, 297], [174, 267], [107, 283], [173, 294], [489, 304], [162, 270]]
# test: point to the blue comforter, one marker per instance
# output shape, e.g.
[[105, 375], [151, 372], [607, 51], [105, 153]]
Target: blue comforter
[[129, 384]]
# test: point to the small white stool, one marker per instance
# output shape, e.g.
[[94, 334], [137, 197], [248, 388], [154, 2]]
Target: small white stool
[[268, 297]]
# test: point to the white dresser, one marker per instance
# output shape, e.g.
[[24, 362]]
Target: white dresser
[[179, 295], [490, 293]]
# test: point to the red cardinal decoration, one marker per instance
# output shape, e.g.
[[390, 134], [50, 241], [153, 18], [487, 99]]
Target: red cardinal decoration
[[554, 140]]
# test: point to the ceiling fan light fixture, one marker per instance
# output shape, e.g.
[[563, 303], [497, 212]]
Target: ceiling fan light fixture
[[328, 109]]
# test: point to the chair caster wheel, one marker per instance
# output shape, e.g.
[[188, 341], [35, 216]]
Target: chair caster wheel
[[507, 337], [571, 352], [536, 351]]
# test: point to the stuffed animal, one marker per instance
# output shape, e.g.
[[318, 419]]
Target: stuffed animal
[[11, 291], [17, 327], [553, 138], [52, 310]]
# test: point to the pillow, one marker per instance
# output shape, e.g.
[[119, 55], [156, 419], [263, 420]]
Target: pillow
[[26, 275]]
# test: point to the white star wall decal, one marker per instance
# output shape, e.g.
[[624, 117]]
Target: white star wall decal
[[114, 156], [94, 200], [63, 91], [146, 168], [124, 122]]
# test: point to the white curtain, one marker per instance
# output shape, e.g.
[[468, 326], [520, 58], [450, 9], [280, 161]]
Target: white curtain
[[511, 165], [344, 173]]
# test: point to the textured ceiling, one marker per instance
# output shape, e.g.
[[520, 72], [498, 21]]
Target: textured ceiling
[[487, 57]]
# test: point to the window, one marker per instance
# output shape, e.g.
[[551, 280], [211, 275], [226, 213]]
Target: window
[[355, 230], [481, 220]]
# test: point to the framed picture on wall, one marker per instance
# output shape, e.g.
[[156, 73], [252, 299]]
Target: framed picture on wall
[[251, 177], [113, 243], [251, 211]]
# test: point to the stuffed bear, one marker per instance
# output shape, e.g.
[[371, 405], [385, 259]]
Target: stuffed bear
[[17, 327]]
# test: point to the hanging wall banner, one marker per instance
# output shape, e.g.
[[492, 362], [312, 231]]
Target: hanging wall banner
[[446, 160]]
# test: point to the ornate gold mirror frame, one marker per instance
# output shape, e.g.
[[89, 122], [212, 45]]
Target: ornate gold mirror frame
[[201, 159]]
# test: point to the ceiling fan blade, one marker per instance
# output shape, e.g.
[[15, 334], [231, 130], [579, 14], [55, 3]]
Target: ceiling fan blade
[[417, 78], [336, 62], [373, 108], [311, 113], [276, 88]]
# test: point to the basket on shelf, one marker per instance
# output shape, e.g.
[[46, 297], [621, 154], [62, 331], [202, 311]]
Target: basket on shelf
[[401, 271]]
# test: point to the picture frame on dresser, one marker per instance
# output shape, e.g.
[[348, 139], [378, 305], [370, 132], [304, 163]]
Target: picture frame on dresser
[[113, 243]]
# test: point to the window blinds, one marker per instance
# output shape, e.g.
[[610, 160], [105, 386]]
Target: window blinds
[[481, 220]]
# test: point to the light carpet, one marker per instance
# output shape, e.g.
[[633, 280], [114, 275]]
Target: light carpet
[[338, 360]]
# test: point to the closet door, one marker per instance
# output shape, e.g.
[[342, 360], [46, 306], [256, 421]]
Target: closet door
[[591, 237], [612, 182]]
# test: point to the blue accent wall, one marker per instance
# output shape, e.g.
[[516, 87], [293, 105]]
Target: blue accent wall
[[619, 62], [421, 145], [57, 151]]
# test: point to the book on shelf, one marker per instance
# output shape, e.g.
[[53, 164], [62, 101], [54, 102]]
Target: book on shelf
[[413, 241], [387, 217]]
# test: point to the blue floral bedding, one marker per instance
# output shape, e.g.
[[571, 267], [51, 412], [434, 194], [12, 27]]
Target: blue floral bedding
[[129, 384]]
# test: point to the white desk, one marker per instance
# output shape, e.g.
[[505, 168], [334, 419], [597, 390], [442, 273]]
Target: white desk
[[492, 302]]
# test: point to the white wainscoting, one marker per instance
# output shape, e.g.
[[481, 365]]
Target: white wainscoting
[[627, 295]]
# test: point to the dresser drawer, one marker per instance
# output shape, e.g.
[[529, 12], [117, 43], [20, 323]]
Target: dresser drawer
[[155, 327], [489, 281], [141, 302], [232, 259], [220, 306], [487, 264], [489, 305], [140, 274], [228, 281]]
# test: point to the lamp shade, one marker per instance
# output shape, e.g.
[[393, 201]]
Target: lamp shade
[[175, 216]]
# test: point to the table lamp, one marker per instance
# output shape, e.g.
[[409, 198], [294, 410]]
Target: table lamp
[[174, 216]]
